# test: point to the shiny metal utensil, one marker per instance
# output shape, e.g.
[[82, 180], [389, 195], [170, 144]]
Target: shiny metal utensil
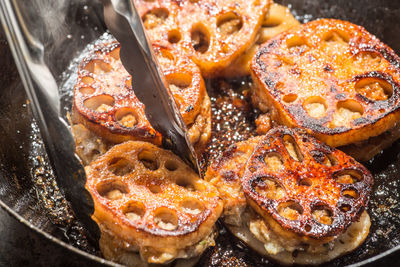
[[42, 92], [148, 81]]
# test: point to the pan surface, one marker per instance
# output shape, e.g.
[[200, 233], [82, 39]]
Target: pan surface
[[27, 186]]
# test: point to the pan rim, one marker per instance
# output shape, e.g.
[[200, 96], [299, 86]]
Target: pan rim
[[54, 239]]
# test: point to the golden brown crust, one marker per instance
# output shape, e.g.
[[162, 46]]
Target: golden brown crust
[[278, 19], [331, 78], [148, 197], [225, 172], [302, 185], [213, 33], [105, 103]]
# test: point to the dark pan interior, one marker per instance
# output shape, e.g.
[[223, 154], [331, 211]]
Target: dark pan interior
[[27, 182]]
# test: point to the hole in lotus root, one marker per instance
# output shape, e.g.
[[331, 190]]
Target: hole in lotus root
[[347, 111], [344, 207], [296, 44], [179, 81], [154, 188], [120, 166], [149, 160], [126, 117], [192, 206], [322, 158], [374, 89], [155, 17], [100, 103], [289, 98], [174, 36], [322, 214], [348, 177], [305, 182], [185, 183], [308, 227], [112, 190], [292, 147], [350, 193], [200, 38], [315, 106], [135, 211], [165, 58], [272, 21], [171, 165], [87, 80], [290, 210], [87, 90], [336, 36], [268, 188], [98, 67], [274, 162], [229, 23], [166, 219]]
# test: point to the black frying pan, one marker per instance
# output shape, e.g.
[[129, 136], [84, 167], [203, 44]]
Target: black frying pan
[[27, 187]]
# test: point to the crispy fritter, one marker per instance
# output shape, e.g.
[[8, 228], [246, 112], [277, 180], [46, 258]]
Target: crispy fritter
[[304, 186], [148, 198], [293, 198], [331, 78], [214, 33], [278, 19], [106, 104], [225, 172]]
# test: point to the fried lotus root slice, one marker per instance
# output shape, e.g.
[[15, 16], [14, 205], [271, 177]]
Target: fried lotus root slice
[[225, 172], [331, 78], [278, 19], [303, 186], [214, 33], [148, 198], [105, 103]]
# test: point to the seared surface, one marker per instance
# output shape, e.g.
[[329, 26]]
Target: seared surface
[[149, 198], [105, 103], [212, 33], [330, 77], [384, 206], [277, 20], [304, 185], [225, 172]]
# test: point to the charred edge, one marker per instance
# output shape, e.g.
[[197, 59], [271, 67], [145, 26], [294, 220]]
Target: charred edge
[[390, 102], [315, 125], [182, 230], [225, 156], [269, 46]]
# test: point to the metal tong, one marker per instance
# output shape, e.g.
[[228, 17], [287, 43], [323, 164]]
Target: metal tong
[[150, 87], [42, 92], [148, 82]]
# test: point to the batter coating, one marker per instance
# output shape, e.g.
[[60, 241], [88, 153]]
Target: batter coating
[[148, 201]]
